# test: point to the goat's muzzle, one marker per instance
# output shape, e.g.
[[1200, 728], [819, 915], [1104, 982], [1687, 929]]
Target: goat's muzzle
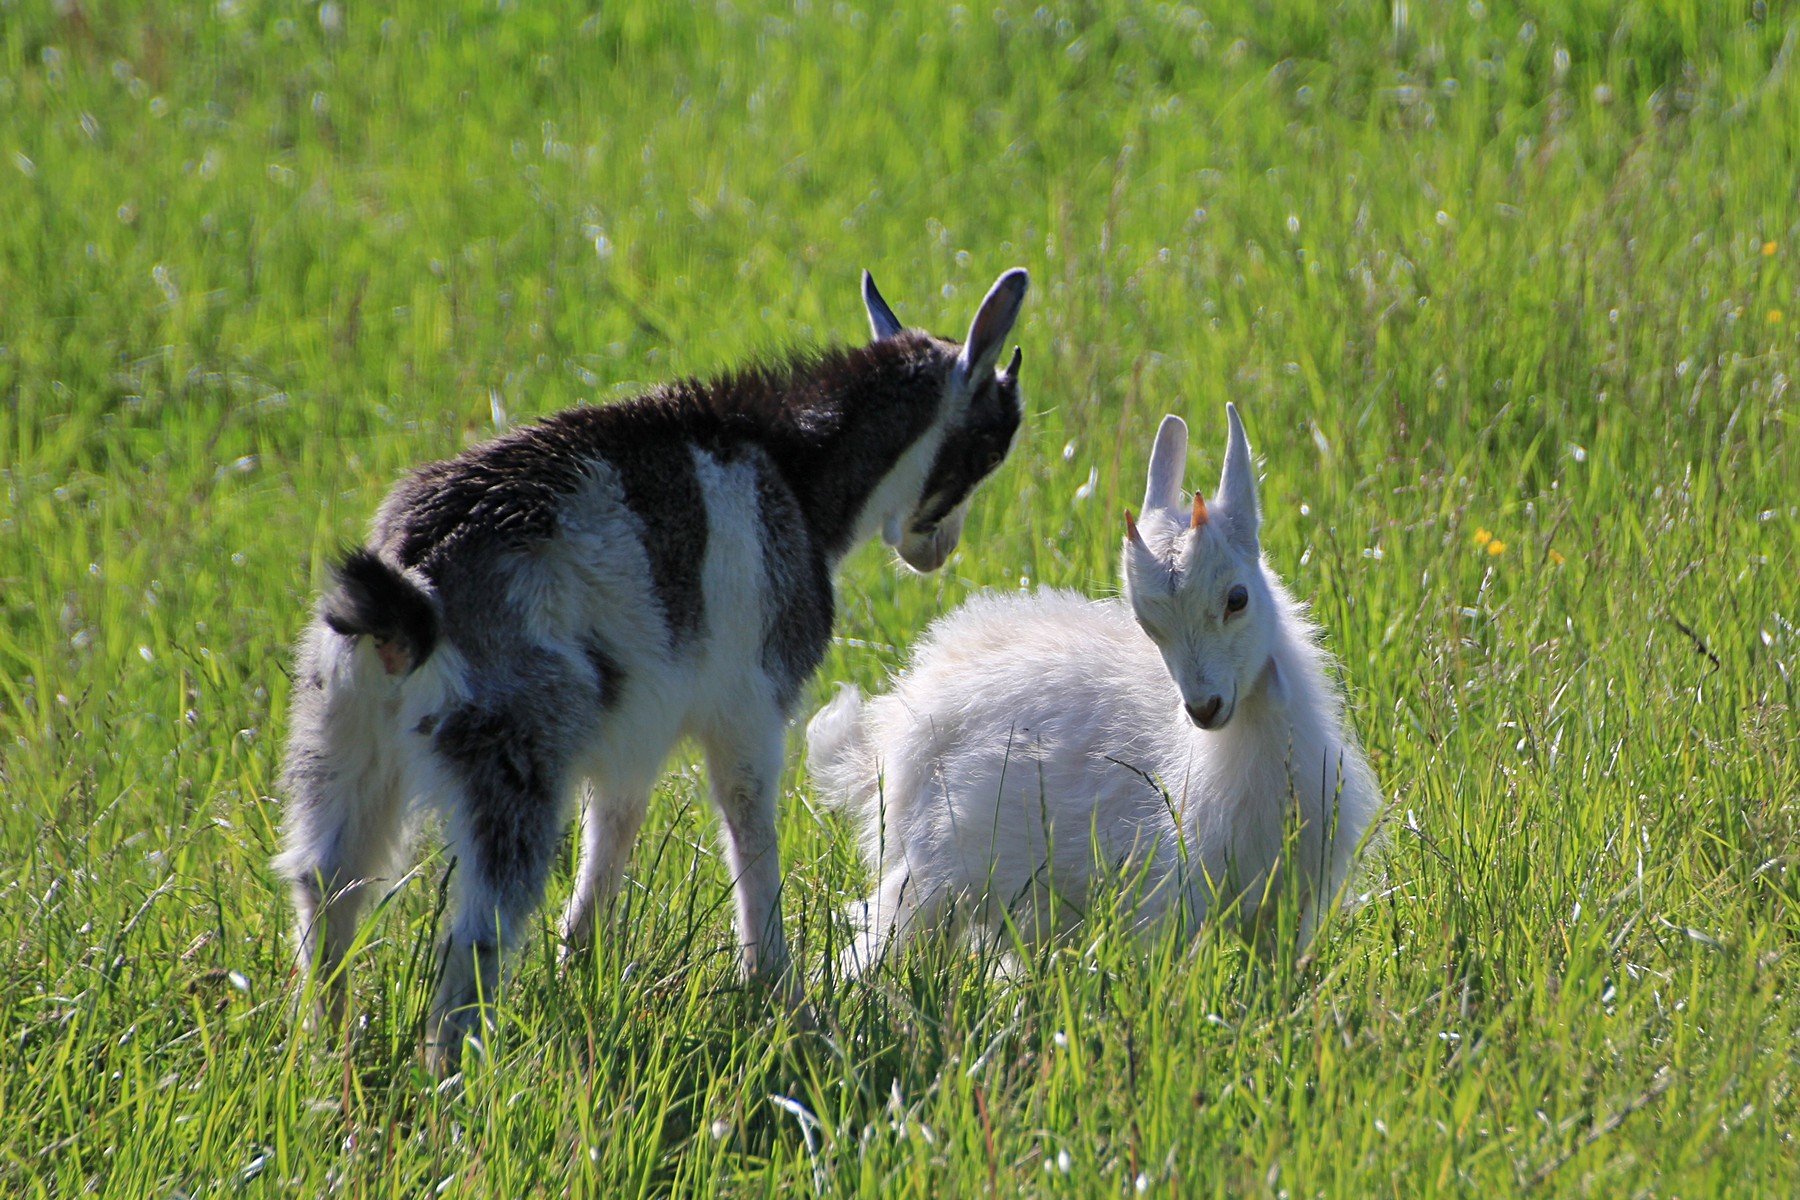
[[1210, 713]]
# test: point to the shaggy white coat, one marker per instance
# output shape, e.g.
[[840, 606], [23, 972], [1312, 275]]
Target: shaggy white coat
[[1039, 744]]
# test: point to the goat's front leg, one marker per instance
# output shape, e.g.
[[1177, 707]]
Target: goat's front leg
[[745, 765], [609, 825]]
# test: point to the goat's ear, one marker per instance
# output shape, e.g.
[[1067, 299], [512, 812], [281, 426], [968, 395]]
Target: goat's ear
[[882, 321], [1238, 513], [1168, 459], [993, 321]]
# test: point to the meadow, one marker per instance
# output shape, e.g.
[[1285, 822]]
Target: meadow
[[1506, 292]]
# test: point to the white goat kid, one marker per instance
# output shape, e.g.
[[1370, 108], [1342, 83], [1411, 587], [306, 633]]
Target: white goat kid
[[546, 614], [1172, 739]]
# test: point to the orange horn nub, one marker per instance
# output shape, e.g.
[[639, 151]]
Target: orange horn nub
[[1199, 510], [1131, 531]]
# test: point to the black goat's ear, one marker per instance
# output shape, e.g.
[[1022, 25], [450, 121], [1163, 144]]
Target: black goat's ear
[[993, 321], [882, 321]]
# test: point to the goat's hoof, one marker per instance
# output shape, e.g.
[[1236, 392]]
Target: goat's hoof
[[443, 1053]]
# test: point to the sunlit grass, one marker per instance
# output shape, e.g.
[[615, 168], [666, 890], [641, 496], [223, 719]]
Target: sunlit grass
[[1503, 292]]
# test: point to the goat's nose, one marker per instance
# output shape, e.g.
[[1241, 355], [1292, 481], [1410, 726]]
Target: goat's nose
[[1203, 714]]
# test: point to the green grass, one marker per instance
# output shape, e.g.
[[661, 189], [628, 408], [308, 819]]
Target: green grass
[[1533, 270]]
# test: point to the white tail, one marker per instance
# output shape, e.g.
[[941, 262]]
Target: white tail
[[839, 755]]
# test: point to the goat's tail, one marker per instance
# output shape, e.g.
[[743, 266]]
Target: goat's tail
[[375, 598], [839, 754]]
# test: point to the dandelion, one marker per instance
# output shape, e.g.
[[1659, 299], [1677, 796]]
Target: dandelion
[[1496, 547], [1768, 249], [1557, 558], [1775, 316], [1483, 537]]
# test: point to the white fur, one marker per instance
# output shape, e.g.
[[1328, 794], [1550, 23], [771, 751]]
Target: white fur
[[1038, 744]]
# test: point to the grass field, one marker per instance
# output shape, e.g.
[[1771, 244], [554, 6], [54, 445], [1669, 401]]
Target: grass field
[[1507, 293]]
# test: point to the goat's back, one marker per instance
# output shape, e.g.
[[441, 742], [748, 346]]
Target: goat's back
[[1026, 727]]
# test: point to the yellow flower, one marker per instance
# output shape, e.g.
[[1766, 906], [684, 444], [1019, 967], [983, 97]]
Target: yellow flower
[[1775, 315], [1557, 558], [1496, 547], [1483, 537], [1768, 249]]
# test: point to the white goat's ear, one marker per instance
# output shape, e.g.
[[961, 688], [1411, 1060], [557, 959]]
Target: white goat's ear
[[993, 321], [1168, 460], [1238, 513], [882, 321]]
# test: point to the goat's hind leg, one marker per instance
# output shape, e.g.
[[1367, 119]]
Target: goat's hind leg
[[504, 776], [342, 824]]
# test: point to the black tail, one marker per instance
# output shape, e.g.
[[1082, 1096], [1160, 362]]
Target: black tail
[[373, 597]]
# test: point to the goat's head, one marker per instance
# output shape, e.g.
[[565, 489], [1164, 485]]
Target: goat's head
[[979, 415], [1193, 573]]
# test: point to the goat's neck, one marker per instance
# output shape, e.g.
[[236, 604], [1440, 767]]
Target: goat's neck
[[1280, 702], [875, 461]]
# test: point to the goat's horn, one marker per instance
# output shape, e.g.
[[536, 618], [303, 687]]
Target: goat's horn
[[1012, 368], [1131, 531], [1199, 510]]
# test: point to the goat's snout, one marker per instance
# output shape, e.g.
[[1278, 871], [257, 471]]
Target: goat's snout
[[1205, 714]]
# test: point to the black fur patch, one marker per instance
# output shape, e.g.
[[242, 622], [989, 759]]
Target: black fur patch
[[972, 451], [609, 676], [797, 581], [663, 489], [508, 772], [373, 598], [832, 423]]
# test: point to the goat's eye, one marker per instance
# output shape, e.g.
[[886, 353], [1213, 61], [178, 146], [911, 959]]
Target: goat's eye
[[1236, 598]]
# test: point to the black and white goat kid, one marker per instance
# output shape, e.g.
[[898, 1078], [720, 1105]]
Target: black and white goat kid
[[545, 615]]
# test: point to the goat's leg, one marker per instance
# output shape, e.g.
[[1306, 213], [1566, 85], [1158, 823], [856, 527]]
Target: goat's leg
[[505, 825], [609, 827], [341, 826], [887, 921], [745, 766]]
